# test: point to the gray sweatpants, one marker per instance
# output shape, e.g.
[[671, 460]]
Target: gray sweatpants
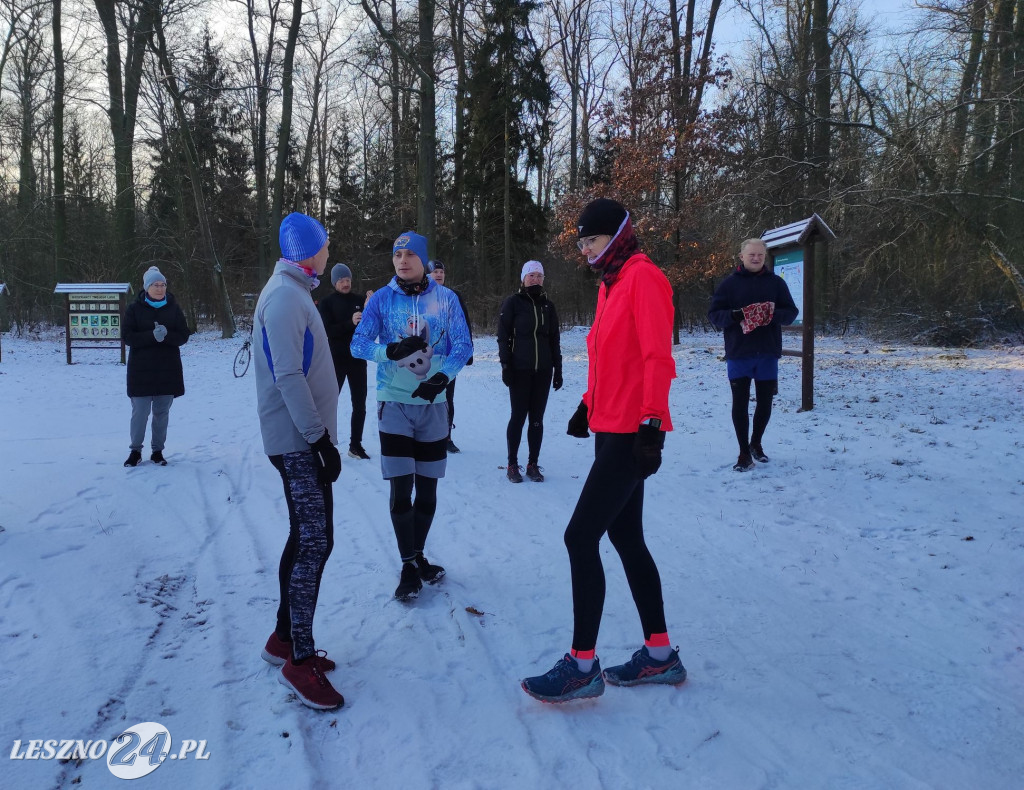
[[160, 405]]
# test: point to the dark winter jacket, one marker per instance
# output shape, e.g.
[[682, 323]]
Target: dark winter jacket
[[742, 288], [337, 309], [528, 333], [154, 368]]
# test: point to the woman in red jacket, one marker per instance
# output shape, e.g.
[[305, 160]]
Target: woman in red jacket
[[626, 405]]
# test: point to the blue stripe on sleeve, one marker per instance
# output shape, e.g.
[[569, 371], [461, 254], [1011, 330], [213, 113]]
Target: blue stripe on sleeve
[[266, 350], [307, 351]]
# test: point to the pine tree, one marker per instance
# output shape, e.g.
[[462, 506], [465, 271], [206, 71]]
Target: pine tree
[[510, 95]]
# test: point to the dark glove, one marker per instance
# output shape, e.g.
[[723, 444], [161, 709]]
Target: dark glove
[[737, 315], [405, 347], [578, 423], [326, 459], [159, 332], [556, 382], [506, 375], [431, 388], [469, 362], [647, 450]]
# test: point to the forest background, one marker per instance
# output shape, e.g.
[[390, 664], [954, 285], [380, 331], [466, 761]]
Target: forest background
[[179, 132]]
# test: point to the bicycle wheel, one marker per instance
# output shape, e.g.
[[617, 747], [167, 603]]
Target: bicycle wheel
[[242, 359]]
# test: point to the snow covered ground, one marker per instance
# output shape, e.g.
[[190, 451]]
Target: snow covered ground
[[851, 614]]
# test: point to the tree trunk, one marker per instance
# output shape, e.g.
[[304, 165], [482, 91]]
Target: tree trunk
[[506, 195], [122, 105], [59, 203], [968, 82], [425, 215], [26, 164], [460, 215], [285, 130], [397, 134], [821, 148], [261, 79], [307, 154]]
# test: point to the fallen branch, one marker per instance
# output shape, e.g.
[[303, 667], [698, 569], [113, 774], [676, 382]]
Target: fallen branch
[[1007, 268]]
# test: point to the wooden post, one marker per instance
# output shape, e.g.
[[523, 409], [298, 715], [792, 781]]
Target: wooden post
[[807, 360], [67, 325], [121, 301], [802, 235]]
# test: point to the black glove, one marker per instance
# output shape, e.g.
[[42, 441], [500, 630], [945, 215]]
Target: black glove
[[556, 382], [737, 315], [578, 423], [469, 362], [647, 450], [431, 388], [405, 347], [506, 375], [326, 459]]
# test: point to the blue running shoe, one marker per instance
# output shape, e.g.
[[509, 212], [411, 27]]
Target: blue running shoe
[[641, 668], [565, 682]]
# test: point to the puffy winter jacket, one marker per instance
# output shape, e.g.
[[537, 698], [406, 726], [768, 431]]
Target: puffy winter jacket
[[528, 334], [630, 350], [154, 368], [742, 288]]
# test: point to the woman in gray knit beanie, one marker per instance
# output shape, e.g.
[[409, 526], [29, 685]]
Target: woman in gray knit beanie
[[154, 329]]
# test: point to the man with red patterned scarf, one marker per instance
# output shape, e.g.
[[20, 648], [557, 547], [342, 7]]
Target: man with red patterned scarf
[[630, 370]]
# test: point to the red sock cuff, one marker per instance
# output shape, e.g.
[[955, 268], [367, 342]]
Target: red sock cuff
[[658, 640], [586, 655]]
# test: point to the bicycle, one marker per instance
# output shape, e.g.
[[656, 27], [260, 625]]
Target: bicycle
[[243, 357]]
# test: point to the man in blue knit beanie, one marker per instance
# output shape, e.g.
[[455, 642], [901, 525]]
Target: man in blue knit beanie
[[297, 401]]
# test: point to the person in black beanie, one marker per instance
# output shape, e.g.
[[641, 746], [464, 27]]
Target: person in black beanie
[[341, 311], [630, 370], [750, 307], [438, 274], [530, 353]]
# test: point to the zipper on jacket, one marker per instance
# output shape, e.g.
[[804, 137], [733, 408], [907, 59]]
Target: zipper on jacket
[[536, 346], [597, 331]]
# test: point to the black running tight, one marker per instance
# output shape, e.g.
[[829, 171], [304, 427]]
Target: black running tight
[[529, 396], [412, 520], [612, 501], [310, 542], [355, 372], [764, 391]]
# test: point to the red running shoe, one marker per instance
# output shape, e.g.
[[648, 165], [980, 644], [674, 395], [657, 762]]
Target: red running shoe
[[310, 684], [277, 652]]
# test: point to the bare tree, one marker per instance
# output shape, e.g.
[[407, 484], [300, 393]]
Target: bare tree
[[320, 48], [260, 66], [422, 62], [170, 83], [124, 76], [59, 203], [285, 126]]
